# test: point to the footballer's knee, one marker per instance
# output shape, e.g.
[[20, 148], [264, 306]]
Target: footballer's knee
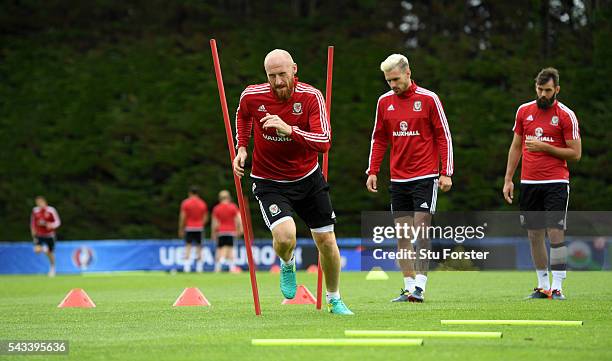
[[284, 234], [557, 236], [325, 240]]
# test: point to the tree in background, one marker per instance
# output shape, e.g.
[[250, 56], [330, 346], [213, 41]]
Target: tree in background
[[111, 108]]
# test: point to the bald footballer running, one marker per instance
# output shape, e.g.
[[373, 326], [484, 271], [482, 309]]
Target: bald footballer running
[[289, 123]]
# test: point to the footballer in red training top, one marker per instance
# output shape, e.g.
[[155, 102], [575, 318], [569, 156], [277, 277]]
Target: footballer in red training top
[[412, 120], [192, 220], [44, 220], [546, 135], [225, 227], [290, 128]]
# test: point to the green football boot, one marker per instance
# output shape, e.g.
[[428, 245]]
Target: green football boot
[[336, 306], [288, 284]]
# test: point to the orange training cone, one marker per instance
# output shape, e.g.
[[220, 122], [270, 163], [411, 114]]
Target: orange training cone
[[77, 297], [302, 297], [275, 268], [191, 296], [312, 269]]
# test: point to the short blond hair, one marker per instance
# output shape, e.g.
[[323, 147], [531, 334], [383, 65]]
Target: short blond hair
[[394, 61]]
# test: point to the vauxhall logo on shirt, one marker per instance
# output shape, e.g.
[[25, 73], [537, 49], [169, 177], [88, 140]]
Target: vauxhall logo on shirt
[[404, 132], [278, 138], [539, 135]]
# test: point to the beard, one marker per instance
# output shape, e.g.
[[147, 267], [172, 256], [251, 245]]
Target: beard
[[284, 92], [400, 88], [545, 103]]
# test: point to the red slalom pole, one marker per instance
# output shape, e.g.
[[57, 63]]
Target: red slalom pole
[[328, 95], [248, 237], [247, 210]]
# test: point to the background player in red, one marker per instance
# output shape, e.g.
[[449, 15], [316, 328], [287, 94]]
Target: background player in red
[[289, 121], [412, 119], [192, 220], [44, 220], [546, 134], [225, 227]]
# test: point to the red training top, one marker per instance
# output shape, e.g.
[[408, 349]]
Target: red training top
[[554, 126], [225, 213], [279, 158], [195, 209], [415, 124], [44, 221]]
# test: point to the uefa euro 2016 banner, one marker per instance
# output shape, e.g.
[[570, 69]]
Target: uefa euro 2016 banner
[[149, 255], [168, 255]]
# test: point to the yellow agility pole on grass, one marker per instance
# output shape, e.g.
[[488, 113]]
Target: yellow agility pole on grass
[[440, 334], [335, 342], [512, 322]]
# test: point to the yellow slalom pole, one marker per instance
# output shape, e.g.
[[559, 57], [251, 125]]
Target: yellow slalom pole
[[336, 342], [440, 334], [512, 322]]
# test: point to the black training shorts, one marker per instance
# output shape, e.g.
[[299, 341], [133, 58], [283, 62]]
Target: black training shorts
[[544, 205], [414, 196], [308, 197], [49, 241], [225, 241], [193, 237]]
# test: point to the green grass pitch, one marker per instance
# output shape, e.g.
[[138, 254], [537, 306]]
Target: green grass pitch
[[134, 319]]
